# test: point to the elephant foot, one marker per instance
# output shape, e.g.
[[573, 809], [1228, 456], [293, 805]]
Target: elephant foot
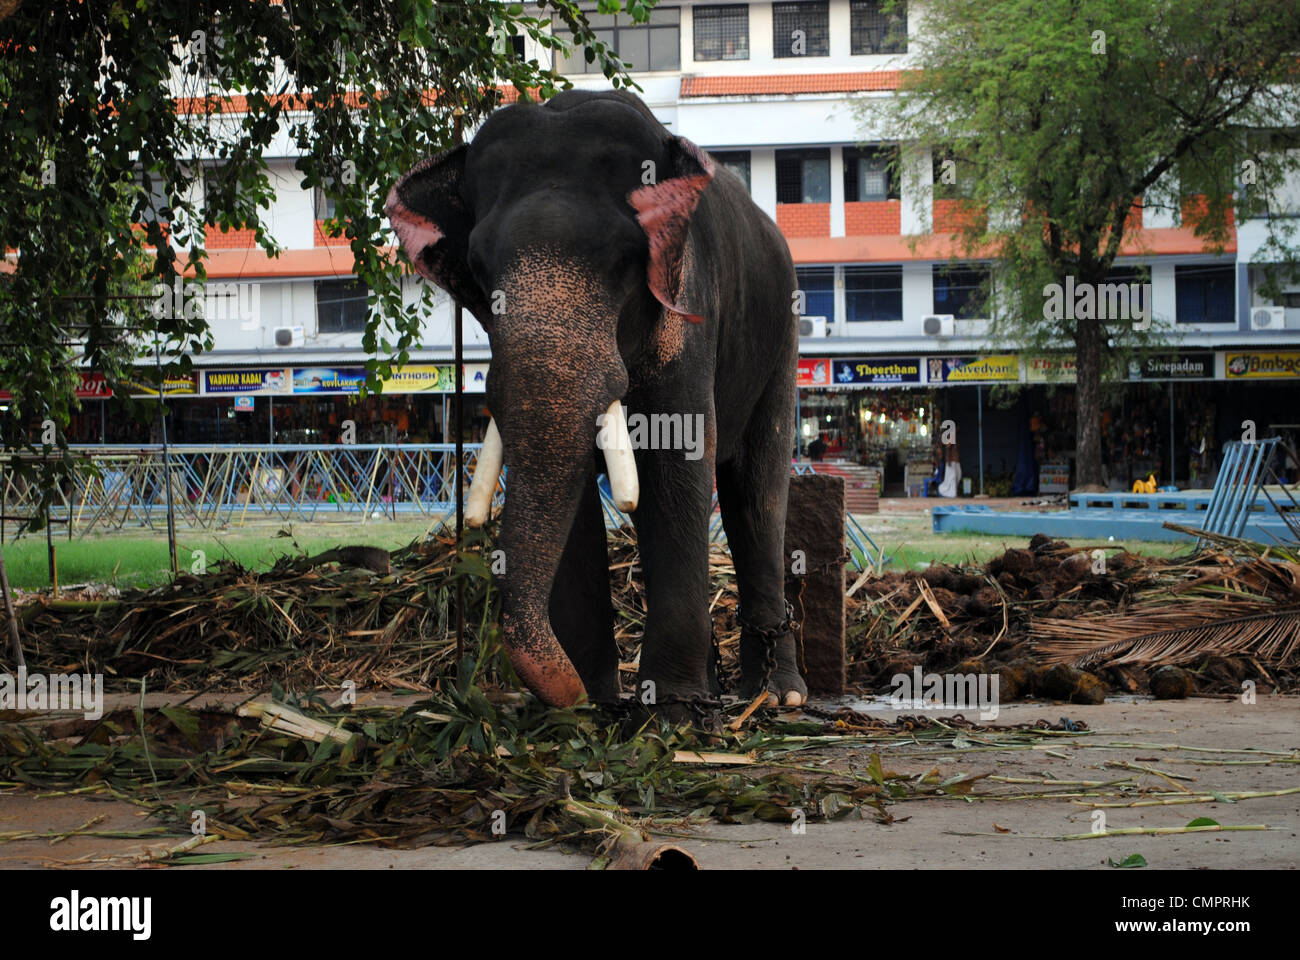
[[771, 653], [700, 713]]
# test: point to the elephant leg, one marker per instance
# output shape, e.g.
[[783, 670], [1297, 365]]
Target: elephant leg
[[581, 612], [672, 533], [752, 491]]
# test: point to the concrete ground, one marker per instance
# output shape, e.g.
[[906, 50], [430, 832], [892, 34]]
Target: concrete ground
[[926, 832]]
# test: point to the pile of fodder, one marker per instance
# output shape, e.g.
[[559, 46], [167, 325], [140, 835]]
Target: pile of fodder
[[355, 613], [1046, 617]]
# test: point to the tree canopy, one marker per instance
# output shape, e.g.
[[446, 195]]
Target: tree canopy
[[1051, 119], [114, 110]]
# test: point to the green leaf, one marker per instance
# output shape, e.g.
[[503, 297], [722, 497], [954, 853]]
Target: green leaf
[[1203, 822], [186, 721], [1133, 860]]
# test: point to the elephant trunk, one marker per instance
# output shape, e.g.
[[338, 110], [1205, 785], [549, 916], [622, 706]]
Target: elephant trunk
[[546, 404]]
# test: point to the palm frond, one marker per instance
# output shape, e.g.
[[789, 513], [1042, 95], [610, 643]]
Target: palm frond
[[1272, 636]]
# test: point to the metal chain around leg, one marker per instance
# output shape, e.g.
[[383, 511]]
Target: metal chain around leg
[[770, 636]]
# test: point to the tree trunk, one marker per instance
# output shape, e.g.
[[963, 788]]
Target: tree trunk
[[1088, 361]]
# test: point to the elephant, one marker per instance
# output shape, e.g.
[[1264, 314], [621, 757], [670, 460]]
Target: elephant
[[618, 270]]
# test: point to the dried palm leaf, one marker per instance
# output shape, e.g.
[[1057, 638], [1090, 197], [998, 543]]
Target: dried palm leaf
[[1273, 637]]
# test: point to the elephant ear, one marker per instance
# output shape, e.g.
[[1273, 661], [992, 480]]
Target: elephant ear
[[433, 223], [664, 211]]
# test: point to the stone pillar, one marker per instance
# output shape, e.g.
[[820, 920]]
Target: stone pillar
[[815, 577]]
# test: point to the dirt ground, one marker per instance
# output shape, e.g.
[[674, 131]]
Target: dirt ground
[[925, 833]]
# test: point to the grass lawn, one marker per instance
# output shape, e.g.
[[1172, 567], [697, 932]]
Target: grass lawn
[[910, 541], [140, 559]]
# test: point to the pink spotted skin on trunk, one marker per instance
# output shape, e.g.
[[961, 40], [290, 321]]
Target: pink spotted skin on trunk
[[556, 350]]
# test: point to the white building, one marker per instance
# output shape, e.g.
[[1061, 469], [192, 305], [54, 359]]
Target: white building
[[768, 88]]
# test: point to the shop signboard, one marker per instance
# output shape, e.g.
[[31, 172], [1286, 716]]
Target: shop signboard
[[1003, 368], [476, 377], [1054, 369], [1196, 365], [436, 378], [244, 404], [144, 383], [814, 372], [90, 386], [1262, 365], [248, 381], [862, 371], [422, 378], [328, 380]]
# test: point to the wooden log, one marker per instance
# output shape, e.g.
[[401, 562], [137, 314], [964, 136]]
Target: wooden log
[[814, 586]]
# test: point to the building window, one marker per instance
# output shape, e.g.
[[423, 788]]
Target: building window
[[655, 45], [341, 306], [722, 32], [213, 183], [803, 176], [873, 294], [153, 202], [323, 204], [871, 30], [961, 291], [818, 287], [953, 176], [737, 161], [801, 30], [870, 174], [1205, 294]]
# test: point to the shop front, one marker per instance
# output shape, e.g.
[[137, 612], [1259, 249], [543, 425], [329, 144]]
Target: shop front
[[289, 405], [873, 412]]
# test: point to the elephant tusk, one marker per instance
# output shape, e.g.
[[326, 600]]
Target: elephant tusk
[[620, 465], [482, 486]]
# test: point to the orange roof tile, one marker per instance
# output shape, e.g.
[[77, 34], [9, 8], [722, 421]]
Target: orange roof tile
[[887, 249], [790, 83]]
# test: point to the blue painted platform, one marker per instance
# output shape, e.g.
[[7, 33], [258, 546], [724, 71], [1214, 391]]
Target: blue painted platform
[[1097, 523]]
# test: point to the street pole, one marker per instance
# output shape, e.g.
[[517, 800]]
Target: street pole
[[979, 406], [457, 319], [1172, 472], [167, 464]]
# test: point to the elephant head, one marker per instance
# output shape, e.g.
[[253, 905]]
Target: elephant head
[[564, 229]]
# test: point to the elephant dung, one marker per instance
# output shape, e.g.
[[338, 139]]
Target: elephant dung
[[1172, 683], [814, 524]]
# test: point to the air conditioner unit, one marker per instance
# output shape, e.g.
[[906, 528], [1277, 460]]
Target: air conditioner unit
[[1267, 318], [938, 325], [290, 336], [813, 327]]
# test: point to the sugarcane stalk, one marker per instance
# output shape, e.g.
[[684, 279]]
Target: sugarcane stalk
[[1202, 798], [1159, 831]]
